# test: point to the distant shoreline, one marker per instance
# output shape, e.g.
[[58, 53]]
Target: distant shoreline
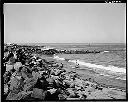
[[72, 43]]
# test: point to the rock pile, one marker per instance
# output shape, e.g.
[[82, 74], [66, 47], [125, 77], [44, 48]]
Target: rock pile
[[50, 51], [29, 77]]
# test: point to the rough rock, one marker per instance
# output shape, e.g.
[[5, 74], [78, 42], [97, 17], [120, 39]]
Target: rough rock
[[29, 84], [9, 67], [19, 96], [38, 93], [16, 84], [17, 65]]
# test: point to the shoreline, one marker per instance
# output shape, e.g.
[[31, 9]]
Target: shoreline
[[75, 84], [102, 80], [86, 76]]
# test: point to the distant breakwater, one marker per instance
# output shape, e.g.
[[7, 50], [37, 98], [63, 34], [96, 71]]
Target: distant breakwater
[[51, 51], [78, 51]]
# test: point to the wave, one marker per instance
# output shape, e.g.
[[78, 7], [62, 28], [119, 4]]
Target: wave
[[95, 66], [115, 77], [102, 70], [106, 51], [121, 78], [58, 58], [104, 74]]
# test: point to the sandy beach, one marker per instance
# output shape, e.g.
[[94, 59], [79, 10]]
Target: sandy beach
[[112, 89], [51, 75], [65, 51], [102, 80]]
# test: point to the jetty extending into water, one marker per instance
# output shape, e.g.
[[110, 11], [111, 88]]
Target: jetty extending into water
[[51, 51], [31, 75]]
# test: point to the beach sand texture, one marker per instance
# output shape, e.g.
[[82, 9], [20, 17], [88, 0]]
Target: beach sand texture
[[111, 87], [81, 81]]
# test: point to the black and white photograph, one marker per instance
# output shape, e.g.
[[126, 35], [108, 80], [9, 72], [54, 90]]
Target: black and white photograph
[[64, 51]]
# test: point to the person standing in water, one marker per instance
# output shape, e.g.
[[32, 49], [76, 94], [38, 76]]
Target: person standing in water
[[77, 64]]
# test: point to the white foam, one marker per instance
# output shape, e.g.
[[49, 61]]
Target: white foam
[[124, 78], [58, 58], [104, 74], [111, 69], [106, 51], [94, 66]]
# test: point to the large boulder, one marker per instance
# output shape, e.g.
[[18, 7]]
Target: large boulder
[[6, 78], [73, 94], [26, 73], [38, 93], [72, 85], [29, 84], [67, 83], [36, 75], [57, 72], [54, 77], [59, 84], [16, 84], [17, 65], [21, 95], [12, 60], [51, 82], [6, 89], [62, 97], [9, 67], [79, 82]]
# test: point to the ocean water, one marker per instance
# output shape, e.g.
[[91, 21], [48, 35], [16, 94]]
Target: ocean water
[[110, 62]]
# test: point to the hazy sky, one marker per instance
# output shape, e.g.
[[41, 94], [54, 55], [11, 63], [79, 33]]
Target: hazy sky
[[65, 23]]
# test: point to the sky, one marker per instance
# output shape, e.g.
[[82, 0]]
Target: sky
[[65, 23]]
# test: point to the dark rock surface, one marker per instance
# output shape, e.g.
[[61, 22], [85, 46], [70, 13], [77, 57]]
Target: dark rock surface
[[29, 77]]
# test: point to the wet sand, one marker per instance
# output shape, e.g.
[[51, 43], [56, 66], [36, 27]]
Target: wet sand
[[91, 83], [112, 89], [102, 80]]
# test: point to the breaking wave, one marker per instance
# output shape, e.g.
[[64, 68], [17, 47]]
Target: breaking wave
[[94, 66], [106, 51], [58, 58], [102, 70]]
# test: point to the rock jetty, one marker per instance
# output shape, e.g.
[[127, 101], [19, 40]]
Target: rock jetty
[[28, 76], [50, 51]]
